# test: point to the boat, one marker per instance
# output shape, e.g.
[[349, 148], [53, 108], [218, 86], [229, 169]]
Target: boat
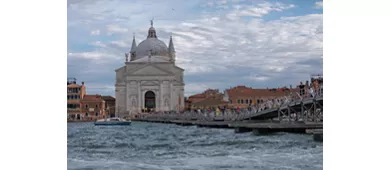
[[113, 121]]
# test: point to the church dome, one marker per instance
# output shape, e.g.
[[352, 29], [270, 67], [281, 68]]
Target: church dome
[[152, 44], [157, 47]]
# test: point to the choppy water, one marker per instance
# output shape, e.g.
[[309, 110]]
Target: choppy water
[[165, 146]]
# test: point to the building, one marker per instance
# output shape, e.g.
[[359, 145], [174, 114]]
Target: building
[[149, 80], [109, 105], [75, 94], [81, 106], [242, 96], [92, 107], [208, 98]]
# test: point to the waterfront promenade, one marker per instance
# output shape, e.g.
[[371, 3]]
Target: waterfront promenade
[[296, 114]]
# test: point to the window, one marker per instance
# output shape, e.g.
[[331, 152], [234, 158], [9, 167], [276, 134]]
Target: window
[[250, 101], [261, 101], [68, 97], [86, 106], [258, 101], [238, 101], [96, 106], [242, 101], [246, 101], [97, 114], [73, 106], [230, 101]]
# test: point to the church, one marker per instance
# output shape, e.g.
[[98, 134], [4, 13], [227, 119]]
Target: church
[[149, 79]]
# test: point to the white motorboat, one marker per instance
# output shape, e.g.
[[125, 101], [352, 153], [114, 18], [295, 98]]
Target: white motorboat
[[113, 121]]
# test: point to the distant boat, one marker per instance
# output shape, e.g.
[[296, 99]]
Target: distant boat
[[113, 121]]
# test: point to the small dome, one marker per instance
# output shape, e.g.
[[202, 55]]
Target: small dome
[[158, 47]]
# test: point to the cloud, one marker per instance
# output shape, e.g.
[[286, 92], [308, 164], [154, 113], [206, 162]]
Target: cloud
[[122, 44], [194, 88], [318, 4], [258, 10], [91, 55], [258, 77], [98, 44], [102, 88], [222, 2], [112, 29], [95, 32], [218, 48]]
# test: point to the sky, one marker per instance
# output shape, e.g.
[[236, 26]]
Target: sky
[[219, 43]]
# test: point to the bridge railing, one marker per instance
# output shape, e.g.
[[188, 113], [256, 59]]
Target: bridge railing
[[233, 114]]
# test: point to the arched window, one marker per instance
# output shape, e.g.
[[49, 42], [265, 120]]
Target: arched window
[[261, 101], [86, 106], [246, 101], [250, 101], [258, 101], [242, 101], [96, 106], [238, 101]]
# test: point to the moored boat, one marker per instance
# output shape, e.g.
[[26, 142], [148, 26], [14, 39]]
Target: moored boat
[[113, 121]]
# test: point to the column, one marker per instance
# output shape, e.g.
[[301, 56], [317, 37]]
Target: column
[[171, 95], [127, 97], [117, 96], [139, 95], [161, 96]]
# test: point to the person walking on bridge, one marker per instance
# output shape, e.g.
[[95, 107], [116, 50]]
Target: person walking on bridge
[[301, 89]]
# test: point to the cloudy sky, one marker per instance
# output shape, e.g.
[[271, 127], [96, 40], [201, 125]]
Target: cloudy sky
[[219, 43]]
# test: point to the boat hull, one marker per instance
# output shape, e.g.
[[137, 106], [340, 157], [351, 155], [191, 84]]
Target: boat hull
[[112, 123]]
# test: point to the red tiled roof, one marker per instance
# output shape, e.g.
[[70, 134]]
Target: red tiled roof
[[74, 85], [246, 91], [210, 102], [107, 98], [197, 96], [96, 97]]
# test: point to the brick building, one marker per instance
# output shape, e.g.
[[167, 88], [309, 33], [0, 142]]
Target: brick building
[[75, 94], [239, 96], [109, 105], [93, 107], [242, 96], [81, 106], [209, 98]]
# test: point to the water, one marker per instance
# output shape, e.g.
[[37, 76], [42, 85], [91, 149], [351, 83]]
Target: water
[[165, 146]]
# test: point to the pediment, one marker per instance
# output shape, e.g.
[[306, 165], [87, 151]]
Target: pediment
[[149, 70]]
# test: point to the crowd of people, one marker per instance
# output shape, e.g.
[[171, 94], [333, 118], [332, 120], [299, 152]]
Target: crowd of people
[[303, 92]]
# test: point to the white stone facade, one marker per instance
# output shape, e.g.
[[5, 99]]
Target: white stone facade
[[153, 72]]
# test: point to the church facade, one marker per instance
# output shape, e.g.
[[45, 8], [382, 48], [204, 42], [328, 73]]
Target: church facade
[[149, 79]]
